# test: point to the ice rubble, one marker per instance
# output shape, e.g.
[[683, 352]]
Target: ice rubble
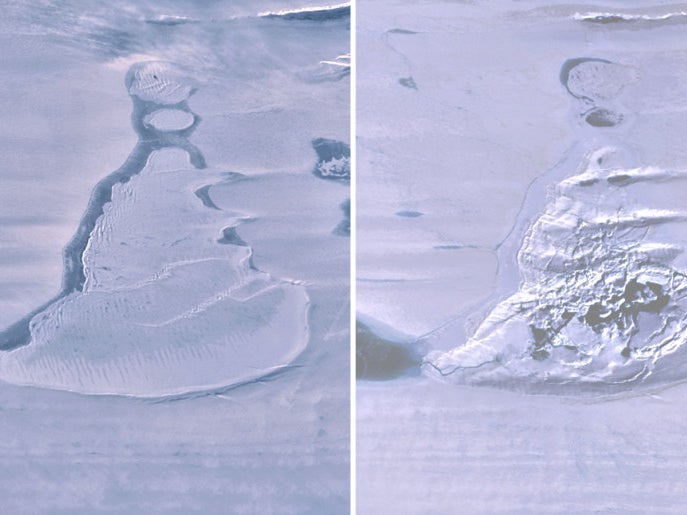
[[333, 159], [601, 297], [603, 283]]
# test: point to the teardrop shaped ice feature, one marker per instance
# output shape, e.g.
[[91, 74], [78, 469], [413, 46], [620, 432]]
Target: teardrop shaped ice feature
[[152, 303]]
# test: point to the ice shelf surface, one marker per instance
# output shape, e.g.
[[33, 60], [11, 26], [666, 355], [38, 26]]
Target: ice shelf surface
[[166, 248], [563, 258], [521, 287]]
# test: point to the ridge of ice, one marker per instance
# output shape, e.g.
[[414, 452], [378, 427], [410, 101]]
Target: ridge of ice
[[307, 10], [609, 17], [170, 19]]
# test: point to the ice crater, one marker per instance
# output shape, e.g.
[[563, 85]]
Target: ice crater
[[602, 298], [595, 79]]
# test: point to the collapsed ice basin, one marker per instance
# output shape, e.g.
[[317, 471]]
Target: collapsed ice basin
[[166, 308]]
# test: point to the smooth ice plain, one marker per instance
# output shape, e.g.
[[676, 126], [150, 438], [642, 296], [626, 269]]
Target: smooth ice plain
[[174, 255], [521, 269]]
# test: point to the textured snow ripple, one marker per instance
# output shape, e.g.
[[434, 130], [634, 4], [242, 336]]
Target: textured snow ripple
[[159, 82]]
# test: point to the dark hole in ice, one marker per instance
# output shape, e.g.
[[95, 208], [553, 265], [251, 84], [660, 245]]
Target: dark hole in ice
[[603, 118], [588, 182], [231, 237], [333, 159], [328, 149], [540, 336], [648, 297], [407, 82], [597, 314], [409, 214], [204, 195], [401, 31], [380, 359], [618, 179], [540, 355], [344, 228], [623, 310]]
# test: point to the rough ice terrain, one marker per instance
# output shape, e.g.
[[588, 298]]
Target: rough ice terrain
[[602, 291], [521, 226], [204, 279]]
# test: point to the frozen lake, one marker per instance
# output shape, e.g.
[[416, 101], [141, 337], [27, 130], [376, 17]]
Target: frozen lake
[[174, 255], [520, 257]]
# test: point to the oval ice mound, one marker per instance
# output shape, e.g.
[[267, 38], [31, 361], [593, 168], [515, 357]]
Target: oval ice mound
[[169, 120], [159, 82], [603, 292]]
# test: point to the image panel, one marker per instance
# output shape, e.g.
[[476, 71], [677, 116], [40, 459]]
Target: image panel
[[174, 257], [522, 288]]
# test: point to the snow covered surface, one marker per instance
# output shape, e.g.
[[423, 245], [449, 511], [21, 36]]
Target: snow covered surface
[[521, 228], [477, 450], [167, 248]]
